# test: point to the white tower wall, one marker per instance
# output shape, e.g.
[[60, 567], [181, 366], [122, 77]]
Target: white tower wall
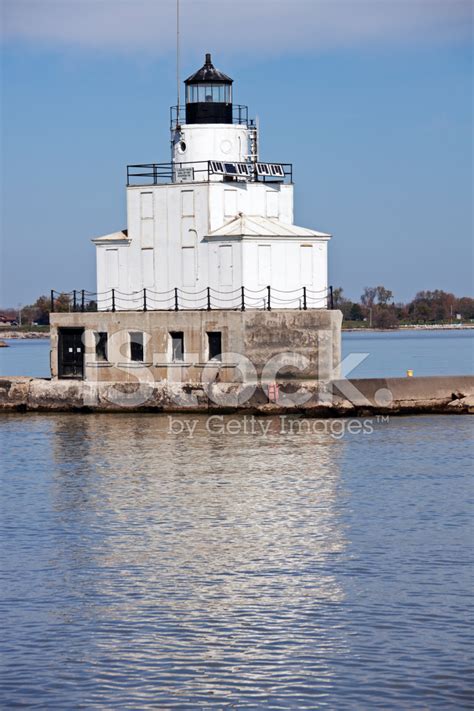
[[204, 142]]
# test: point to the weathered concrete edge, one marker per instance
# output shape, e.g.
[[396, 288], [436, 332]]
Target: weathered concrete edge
[[356, 397]]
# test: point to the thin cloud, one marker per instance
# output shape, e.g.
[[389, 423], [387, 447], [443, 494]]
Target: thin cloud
[[252, 27]]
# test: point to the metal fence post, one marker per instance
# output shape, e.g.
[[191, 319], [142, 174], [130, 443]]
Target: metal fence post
[[208, 298], [331, 298], [74, 301], [305, 305], [83, 296], [242, 305], [176, 299], [269, 308], [52, 299], [144, 299], [113, 299]]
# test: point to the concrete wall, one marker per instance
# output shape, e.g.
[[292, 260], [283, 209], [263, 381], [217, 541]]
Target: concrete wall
[[313, 338]]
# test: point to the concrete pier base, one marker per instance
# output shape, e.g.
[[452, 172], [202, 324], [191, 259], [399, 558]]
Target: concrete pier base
[[357, 397]]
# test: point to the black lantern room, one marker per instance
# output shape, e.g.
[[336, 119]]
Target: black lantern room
[[208, 95]]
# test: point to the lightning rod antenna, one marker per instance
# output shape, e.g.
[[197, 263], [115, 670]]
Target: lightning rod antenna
[[177, 61]]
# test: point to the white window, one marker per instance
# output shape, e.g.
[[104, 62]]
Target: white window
[[230, 203], [272, 203], [225, 265], [147, 221], [188, 263], [264, 264], [148, 267], [146, 206], [187, 203], [306, 264]]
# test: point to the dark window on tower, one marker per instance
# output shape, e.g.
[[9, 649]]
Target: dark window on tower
[[136, 346], [101, 346], [177, 345], [214, 339]]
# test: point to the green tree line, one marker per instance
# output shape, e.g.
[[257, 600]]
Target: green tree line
[[376, 307], [38, 312]]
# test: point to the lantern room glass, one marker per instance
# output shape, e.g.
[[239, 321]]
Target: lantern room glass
[[215, 93]]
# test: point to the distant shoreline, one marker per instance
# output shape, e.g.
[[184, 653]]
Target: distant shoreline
[[428, 327], [23, 335]]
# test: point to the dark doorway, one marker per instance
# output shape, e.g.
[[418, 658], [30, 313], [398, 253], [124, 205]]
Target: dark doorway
[[71, 353], [215, 345], [101, 339], [136, 346]]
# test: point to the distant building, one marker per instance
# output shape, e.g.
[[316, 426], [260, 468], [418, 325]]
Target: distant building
[[210, 261]]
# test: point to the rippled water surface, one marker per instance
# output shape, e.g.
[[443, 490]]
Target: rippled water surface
[[142, 567]]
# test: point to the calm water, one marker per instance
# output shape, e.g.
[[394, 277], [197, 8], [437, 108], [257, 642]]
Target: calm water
[[142, 569], [389, 354], [424, 352], [25, 357]]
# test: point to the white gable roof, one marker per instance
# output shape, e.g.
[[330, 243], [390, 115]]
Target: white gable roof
[[121, 236], [256, 226]]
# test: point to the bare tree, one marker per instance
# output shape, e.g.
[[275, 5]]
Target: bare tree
[[383, 295], [368, 296]]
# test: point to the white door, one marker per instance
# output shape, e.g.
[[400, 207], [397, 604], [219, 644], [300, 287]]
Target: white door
[[148, 267], [225, 265], [111, 268], [306, 264]]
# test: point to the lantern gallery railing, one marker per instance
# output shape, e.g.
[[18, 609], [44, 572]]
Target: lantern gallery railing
[[240, 116], [207, 299], [206, 170]]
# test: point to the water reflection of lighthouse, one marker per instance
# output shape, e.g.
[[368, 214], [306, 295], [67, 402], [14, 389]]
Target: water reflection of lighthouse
[[211, 549]]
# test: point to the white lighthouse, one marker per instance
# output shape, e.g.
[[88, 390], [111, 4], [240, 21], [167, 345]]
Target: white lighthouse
[[215, 218], [211, 268]]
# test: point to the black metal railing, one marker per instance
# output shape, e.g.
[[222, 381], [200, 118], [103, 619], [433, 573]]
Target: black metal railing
[[207, 299], [240, 115], [200, 171]]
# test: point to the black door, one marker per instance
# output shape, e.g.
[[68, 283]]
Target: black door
[[71, 353]]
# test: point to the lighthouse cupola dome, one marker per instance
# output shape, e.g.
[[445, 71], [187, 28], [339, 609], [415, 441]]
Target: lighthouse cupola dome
[[208, 95]]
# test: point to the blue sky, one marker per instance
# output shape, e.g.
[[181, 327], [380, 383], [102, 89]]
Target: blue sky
[[371, 101]]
